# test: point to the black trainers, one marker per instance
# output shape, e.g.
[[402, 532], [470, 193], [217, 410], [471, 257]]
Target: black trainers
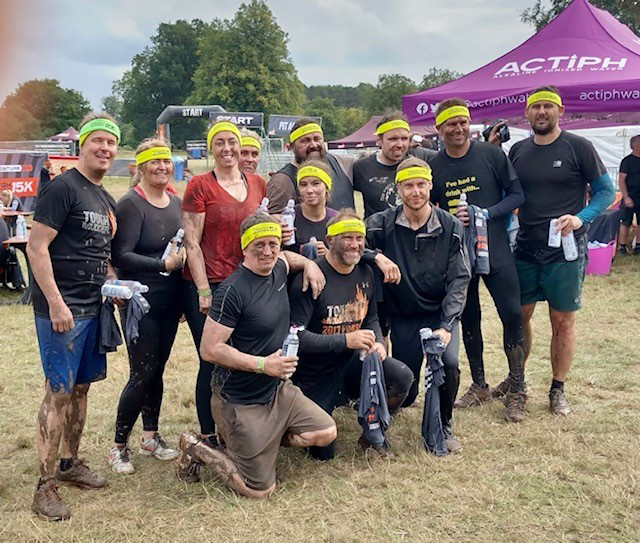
[[81, 476], [47, 503]]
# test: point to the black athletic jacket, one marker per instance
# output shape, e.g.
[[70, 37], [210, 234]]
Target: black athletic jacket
[[433, 262]]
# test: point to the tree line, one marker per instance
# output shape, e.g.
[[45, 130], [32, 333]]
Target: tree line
[[242, 64]]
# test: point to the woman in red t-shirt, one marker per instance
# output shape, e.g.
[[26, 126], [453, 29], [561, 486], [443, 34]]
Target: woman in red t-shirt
[[213, 206]]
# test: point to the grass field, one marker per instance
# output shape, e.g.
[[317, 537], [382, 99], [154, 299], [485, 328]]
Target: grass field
[[548, 479]]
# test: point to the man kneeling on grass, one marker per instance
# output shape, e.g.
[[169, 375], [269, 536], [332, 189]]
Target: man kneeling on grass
[[255, 405]]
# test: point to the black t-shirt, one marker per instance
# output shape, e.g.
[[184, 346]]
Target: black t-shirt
[[306, 229], [143, 233], [484, 173], [257, 308], [346, 304], [554, 178], [83, 215], [376, 181], [631, 166]]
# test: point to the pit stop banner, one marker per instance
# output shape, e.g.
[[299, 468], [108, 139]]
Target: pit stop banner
[[20, 173]]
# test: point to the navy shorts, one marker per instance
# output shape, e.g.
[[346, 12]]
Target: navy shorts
[[73, 357]]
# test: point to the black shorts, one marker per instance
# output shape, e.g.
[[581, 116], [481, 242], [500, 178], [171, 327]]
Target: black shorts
[[629, 212]]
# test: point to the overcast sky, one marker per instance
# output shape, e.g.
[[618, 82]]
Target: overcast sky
[[87, 44]]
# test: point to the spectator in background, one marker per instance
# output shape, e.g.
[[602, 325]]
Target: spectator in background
[[629, 183], [9, 201]]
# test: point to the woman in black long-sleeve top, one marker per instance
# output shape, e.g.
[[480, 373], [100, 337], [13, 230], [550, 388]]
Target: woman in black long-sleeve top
[[148, 216]]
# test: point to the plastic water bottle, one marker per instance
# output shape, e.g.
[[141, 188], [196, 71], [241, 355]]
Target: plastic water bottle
[[133, 286], [462, 202], [309, 249], [569, 247], [177, 239], [555, 238], [1, 208], [288, 216], [264, 205], [116, 291], [291, 344], [21, 227]]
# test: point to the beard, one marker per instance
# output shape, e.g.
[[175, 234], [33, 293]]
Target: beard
[[543, 130], [322, 152]]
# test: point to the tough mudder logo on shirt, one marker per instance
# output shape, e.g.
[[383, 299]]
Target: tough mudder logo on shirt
[[389, 193], [559, 63], [96, 222], [345, 318]]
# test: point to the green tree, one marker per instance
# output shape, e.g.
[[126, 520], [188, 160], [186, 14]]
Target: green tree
[[342, 96], [388, 93], [352, 119], [626, 11], [245, 65], [40, 108], [159, 76], [438, 76]]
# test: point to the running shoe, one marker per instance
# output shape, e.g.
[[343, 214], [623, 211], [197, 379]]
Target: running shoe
[[558, 403], [47, 503], [120, 461], [81, 476], [476, 395], [515, 402], [157, 446]]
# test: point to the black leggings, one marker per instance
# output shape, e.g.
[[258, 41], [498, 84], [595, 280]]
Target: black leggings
[[147, 358], [405, 342], [504, 287], [196, 320], [345, 386]]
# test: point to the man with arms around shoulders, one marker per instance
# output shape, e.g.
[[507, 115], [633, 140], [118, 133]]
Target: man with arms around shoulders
[[255, 405], [555, 168], [70, 250]]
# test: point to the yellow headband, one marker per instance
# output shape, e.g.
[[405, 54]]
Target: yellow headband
[[250, 141], [98, 124], [545, 96], [392, 125], [453, 111], [312, 171], [304, 130], [223, 126], [155, 153], [413, 173], [260, 230], [347, 225]]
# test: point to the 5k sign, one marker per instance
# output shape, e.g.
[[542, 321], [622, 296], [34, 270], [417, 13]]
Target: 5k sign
[[21, 188]]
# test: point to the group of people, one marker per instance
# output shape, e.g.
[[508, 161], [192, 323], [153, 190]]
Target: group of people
[[243, 285]]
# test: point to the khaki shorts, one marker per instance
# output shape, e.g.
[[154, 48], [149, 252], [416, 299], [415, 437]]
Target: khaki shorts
[[252, 433]]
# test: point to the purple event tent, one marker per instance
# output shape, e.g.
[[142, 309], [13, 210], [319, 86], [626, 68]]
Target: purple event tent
[[588, 54]]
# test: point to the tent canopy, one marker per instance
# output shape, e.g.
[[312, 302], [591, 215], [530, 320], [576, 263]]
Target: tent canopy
[[365, 136], [589, 55], [70, 134]]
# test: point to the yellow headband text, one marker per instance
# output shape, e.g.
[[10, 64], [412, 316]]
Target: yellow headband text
[[98, 124], [312, 171], [392, 125], [260, 230], [450, 112], [304, 130], [419, 172], [347, 225], [155, 153], [223, 126], [545, 96], [249, 141]]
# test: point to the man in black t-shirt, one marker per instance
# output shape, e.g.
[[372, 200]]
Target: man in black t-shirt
[[340, 325], [629, 183], [484, 173], [254, 404], [70, 249], [555, 167]]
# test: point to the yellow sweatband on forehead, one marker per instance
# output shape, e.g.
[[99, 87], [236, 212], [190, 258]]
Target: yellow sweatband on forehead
[[248, 141], [545, 96], [347, 225], [392, 125], [312, 171], [155, 153], [412, 173], [98, 124], [223, 126], [450, 112], [304, 130], [260, 230]]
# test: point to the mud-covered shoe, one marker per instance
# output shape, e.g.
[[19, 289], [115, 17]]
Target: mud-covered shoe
[[187, 469], [382, 450], [558, 403], [81, 476], [515, 402], [501, 390], [47, 503], [453, 443], [158, 447], [120, 460], [476, 395]]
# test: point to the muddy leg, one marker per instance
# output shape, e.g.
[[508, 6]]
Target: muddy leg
[[75, 416], [49, 427]]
